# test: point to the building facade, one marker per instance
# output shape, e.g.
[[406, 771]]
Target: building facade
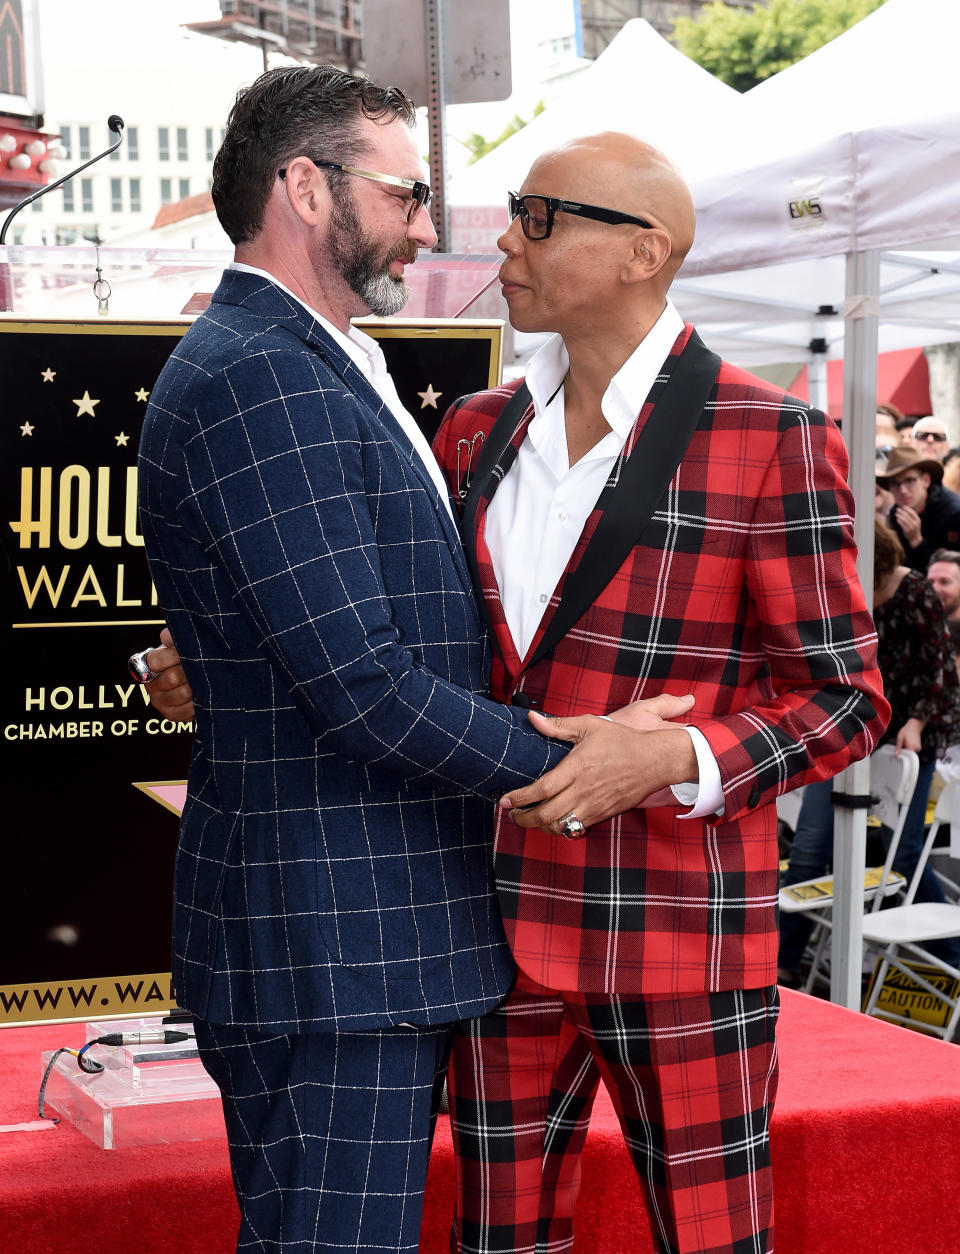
[[26, 151], [174, 97], [311, 30]]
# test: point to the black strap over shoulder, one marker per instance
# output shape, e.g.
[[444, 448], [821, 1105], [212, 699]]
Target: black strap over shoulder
[[495, 442]]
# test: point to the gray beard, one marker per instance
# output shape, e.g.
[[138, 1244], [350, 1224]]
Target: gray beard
[[383, 294], [355, 257]]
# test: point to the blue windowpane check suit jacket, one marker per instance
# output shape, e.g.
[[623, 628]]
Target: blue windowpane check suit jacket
[[334, 867]]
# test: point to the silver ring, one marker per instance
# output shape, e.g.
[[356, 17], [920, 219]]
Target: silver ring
[[571, 827], [139, 669]]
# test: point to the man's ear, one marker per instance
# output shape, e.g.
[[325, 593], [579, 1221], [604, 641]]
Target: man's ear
[[651, 252], [306, 191]]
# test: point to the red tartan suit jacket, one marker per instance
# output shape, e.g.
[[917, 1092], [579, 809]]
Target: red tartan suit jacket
[[737, 583]]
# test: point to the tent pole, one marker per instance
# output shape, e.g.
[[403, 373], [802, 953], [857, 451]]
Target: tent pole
[[859, 426], [817, 375]]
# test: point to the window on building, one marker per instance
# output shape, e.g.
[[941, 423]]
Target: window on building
[[184, 188], [163, 143], [116, 195], [66, 235], [135, 205], [68, 197], [86, 195], [83, 141], [65, 139], [166, 191], [208, 143], [133, 143], [182, 153]]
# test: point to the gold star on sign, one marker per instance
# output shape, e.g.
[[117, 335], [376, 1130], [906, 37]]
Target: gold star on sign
[[141, 395], [26, 429], [122, 439], [429, 397], [48, 375], [85, 405]]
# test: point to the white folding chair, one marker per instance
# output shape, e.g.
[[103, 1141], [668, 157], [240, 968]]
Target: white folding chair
[[943, 858], [950, 887], [910, 925], [892, 781]]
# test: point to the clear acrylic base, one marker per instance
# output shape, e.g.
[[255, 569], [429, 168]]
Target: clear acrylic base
[[145, 1095]]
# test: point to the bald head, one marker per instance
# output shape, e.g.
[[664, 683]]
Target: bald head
[[621, 172], [596, 268]]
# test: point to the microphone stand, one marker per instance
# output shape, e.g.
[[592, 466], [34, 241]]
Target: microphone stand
[[115, 126]]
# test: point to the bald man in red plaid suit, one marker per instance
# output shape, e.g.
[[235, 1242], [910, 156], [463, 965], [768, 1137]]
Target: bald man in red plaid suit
[[653, 520]]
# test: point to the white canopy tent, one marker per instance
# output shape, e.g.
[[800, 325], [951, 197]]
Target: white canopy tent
[[854, 149], [869, 121]]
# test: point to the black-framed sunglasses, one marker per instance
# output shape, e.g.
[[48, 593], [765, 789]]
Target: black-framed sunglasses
[[420, 193], [536, 214]]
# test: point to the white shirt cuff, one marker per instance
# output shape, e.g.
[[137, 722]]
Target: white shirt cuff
[[706, 796]]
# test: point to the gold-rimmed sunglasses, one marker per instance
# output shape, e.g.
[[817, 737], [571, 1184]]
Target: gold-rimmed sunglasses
[[420, 193]]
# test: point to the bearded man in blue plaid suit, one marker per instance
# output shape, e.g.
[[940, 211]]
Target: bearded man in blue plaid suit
[[335, 910]]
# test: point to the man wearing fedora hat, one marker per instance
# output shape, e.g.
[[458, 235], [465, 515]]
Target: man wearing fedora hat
[[925, 515]]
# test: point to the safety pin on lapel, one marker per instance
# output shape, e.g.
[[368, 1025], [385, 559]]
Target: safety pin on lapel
[[465, 451]]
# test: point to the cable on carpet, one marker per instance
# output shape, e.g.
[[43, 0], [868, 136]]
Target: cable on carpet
[[92, 1067]]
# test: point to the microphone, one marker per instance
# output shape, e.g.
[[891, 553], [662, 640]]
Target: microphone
[[115, 126]]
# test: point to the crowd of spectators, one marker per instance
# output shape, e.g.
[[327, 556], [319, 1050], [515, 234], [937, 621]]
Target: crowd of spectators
[[916, 606], [915, 493]]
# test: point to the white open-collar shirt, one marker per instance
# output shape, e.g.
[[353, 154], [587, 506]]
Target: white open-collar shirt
[[540, 509]]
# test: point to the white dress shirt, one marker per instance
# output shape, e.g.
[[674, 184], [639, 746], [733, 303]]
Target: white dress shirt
[[368, 355], [546, 501]]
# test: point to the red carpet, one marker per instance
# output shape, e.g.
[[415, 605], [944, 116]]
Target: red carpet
[[866, 1152]]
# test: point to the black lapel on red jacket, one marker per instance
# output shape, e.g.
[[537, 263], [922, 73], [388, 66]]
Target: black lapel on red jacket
[[496, 457], [644, 477]]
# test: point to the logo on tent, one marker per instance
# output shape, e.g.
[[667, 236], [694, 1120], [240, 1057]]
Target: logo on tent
[[805, 201], [810, 208]]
